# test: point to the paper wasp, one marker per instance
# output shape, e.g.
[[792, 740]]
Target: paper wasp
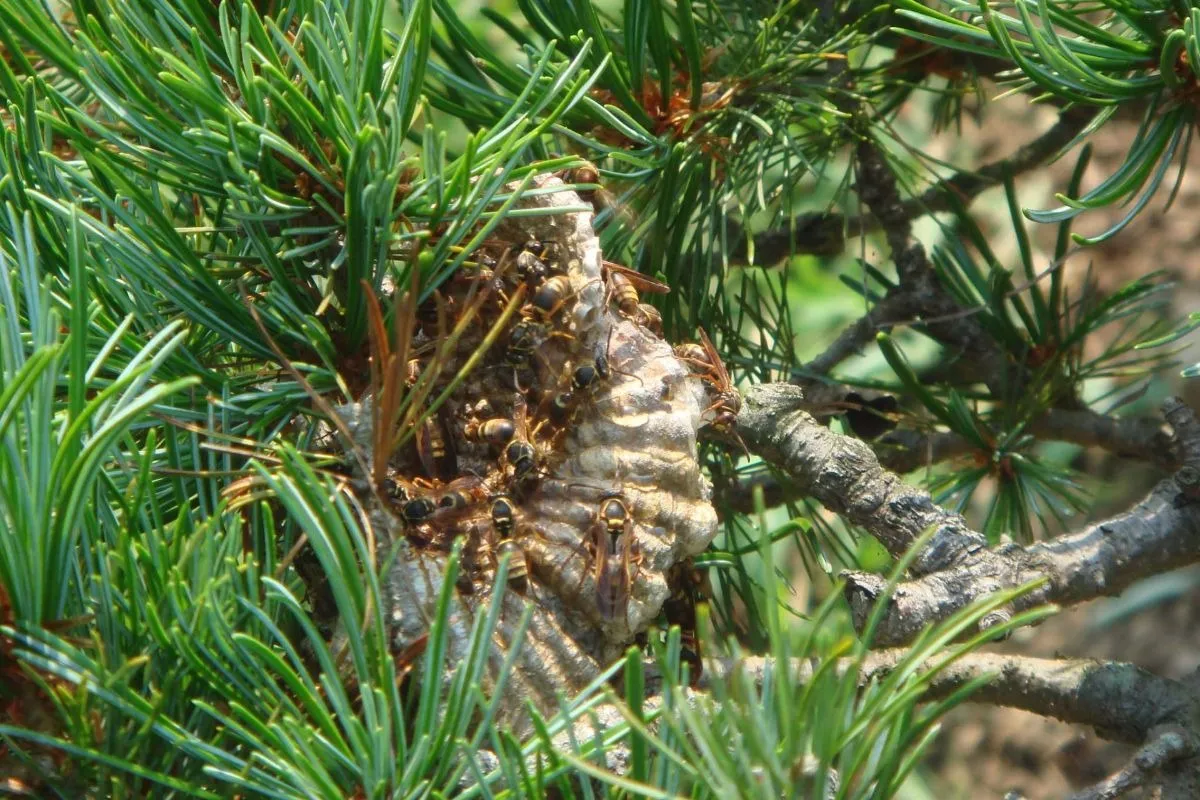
[[600, 198], [523, 341], [496, 431], [504, 515], [521, 454], [688, 586], [461, 495], [530, 269], [726, 400], [504, 523], [435, 449], [651, 319], [550, 297], [587, 378], [615, 555], [414, 510], [624, 285], [531, 266], [518, 565]]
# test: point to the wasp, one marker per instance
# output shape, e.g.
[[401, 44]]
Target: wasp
[[615, 555], [393, 490], [417, 510], [692, 353], [587, 172], [550, 297], [504, 516], [460, 495], [413, 371], [531, 269], [476, 553], [624, 285], [726, 400], [518, 565], [587, 378], [408, 656], [600, 198], [521, 454], [688, 586], [560, 407], [413, 510], [524, 339], [496, 431], [651, 319], [435, 449]]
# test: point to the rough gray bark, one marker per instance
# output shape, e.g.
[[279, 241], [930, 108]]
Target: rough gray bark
[[844, 475], [956, 568]]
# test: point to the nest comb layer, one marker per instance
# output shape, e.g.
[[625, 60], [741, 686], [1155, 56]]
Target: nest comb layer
[[632, 438]]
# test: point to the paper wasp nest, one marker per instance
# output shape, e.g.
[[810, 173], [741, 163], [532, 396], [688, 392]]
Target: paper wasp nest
[[611, 416]]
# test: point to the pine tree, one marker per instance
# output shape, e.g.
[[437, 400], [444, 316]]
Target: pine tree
[[227, 231]]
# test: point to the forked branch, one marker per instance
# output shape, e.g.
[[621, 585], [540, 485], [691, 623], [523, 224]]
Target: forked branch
[[1158, 534]]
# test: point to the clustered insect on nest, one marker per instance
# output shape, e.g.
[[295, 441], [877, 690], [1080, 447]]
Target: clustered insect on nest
[[571, 447]]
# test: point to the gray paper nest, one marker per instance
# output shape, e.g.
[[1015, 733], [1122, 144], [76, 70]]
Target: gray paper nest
[[637, 436]]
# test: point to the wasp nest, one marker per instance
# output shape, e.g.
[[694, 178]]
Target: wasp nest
[[571, 447]]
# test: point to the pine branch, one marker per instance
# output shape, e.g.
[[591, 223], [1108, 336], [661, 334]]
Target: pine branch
[[824, 233], [1123, 702], [844, 475], [1160, 533], [905, 450], [944, 318], [894, 309], [1143, 438], [1157, 535], [1167, 744], [900, 452]]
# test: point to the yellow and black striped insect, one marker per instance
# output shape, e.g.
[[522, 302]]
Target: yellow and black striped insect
[[688, 587], [602, 199], [496, 431], [504, 516], [504, 523], [518, 565], [623, 287], [523, 341], [615, 555], [460, 496], [522, 455]]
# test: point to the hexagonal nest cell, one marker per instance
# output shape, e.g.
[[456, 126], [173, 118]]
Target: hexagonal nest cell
[[570, 445]]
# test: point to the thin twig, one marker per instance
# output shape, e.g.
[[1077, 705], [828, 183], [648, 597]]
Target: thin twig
[[886, 313], [824, 233], [1167, 744]]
